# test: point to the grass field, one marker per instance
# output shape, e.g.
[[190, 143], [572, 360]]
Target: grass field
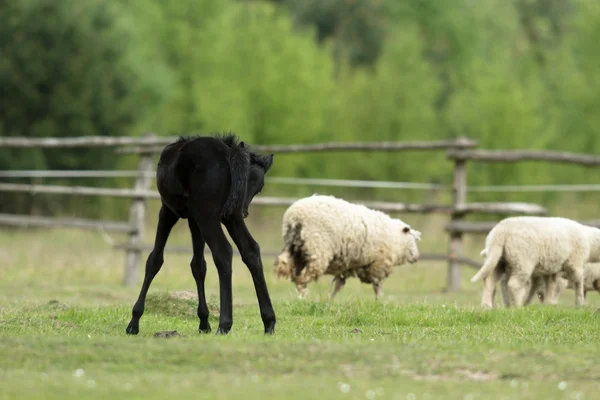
[[63, 314]]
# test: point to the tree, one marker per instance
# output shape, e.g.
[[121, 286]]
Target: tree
[[63, 73]]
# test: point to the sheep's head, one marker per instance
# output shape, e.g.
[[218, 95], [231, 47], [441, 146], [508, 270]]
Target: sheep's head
[[409, 252]]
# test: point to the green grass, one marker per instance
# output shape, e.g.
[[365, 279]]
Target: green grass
[[63, 315]]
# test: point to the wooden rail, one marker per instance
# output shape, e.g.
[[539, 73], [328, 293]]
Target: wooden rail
[[459, 143], [141, 194], [83, 141], [484, 227], [274, 253], [26, 221], [524, 155]]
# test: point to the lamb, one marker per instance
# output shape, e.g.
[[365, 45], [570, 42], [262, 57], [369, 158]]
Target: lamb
[[591, 281], [532, 247], [537, 285], [328, 235], [591, 278]]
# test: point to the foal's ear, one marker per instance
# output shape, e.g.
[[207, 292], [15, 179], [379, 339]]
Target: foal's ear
[[269, 162]]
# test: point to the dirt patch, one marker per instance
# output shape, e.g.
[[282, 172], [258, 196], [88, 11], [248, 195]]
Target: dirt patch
[[63, 324], [55, 305], [178, 303], [478, 376], [184, 295], [167, 334]]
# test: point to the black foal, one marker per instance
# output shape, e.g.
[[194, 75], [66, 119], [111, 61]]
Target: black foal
[[210, 180]]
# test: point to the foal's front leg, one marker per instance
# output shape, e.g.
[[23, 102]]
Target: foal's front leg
[[166, 221], [250, 252]]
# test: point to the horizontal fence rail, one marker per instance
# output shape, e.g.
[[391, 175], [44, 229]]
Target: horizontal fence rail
[[312, 181], [72, 174], [274, 253], [535, 188], [484, 227], [459, 143], [25, 221], [483, 208], [83, 141], [524, 155]]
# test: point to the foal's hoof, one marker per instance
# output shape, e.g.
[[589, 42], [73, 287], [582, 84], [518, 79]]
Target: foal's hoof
[[132, 329], [204, 328], [270, 329], [222, 331]]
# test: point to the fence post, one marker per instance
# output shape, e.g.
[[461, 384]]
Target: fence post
[[459, 198], [137, 214]]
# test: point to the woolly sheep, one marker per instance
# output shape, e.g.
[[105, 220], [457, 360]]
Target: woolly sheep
[[328, 235], [537, 247]]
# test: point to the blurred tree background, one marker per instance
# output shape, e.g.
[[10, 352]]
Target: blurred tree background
[[507, 73]]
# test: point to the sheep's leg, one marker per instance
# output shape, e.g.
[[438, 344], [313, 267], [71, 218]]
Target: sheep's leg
[[378, 288], [504, 289], [596, 285], [302, 290], [489, 288], [337, 283], [518, 285], [535, 290], [551, 289], [576, 272]]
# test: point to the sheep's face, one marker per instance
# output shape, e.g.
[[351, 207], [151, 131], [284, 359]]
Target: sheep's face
[[409, 238]]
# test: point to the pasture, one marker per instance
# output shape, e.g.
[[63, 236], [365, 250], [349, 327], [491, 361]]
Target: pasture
[[63, 314]]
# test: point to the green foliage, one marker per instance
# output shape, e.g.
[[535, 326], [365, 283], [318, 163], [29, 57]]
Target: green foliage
[[508, 73], [63, 72], [356, 28]]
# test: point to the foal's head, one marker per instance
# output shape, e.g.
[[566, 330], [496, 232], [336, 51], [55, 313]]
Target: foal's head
[[259, 166]]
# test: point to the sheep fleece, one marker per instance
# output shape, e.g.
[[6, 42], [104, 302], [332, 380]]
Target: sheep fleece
[[336, 237]]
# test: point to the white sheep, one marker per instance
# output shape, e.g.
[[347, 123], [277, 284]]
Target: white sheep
[[328, 235], [534, 247]]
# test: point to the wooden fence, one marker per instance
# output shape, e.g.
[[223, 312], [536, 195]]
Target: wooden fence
[[459, 151]]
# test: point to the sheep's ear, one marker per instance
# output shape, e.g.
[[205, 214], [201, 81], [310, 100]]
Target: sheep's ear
[[243, 145], [406, 229]]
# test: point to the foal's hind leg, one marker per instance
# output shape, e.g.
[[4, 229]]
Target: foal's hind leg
[[198, 265], [222, 253], [166, 221], [250, 252]]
